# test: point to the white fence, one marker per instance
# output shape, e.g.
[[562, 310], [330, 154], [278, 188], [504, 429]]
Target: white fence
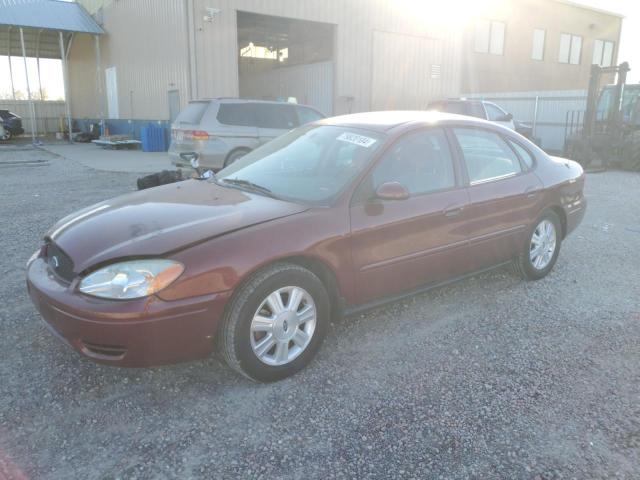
[[48, 114], [547, 111]]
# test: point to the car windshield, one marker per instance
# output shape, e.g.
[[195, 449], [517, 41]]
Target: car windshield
[[310, 165]]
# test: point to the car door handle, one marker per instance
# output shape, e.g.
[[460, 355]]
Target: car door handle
[[453, 212], [531, 192]]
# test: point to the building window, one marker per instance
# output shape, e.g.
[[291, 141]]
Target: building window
[[537, 52], [570, 49], [489, 36], [603, 53]]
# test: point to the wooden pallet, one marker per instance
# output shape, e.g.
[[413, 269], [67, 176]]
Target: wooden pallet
[[117, 144]]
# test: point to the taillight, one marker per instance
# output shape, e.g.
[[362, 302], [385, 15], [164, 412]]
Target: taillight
[[177, 134], [199, 135]]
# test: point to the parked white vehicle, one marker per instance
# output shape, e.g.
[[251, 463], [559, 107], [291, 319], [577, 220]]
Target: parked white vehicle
[[475, 108], [223, 130]]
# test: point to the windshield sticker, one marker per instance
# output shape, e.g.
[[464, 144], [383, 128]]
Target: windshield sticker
[[361, 140]]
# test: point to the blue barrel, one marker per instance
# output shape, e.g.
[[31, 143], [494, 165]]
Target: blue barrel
[[153, 138]]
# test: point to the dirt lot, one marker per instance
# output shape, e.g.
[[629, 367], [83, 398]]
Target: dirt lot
[[491, 378]]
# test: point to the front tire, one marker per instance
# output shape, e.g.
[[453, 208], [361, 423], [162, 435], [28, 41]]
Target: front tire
[[542, 247], [275, 323]]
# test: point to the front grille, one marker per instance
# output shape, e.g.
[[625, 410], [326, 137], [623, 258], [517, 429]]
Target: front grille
[[59, 262]]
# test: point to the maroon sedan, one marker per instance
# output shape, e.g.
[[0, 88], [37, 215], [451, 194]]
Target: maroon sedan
[[331, 217]]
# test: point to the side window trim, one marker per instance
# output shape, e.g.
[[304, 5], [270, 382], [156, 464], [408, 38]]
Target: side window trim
[[494, 179], [484, 109], [460, 153]]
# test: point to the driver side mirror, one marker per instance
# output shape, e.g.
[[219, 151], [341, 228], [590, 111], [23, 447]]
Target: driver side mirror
[[505, 118], [392, 191]]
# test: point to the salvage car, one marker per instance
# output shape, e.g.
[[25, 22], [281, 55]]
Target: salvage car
[[328, 219], [223, 130]]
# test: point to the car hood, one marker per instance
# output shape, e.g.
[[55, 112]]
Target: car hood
[[160, 220]]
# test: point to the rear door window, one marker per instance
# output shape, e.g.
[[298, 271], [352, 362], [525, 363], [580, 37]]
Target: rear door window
[[282, 117], [238, 114], [192, 113], [487, 156], [308, 115]]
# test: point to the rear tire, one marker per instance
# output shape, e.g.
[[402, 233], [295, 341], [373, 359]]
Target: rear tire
[[235, 155], [275, 323], [541, 250]]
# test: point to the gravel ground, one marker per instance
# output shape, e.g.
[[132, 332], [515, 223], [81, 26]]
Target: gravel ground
[[490, 378]]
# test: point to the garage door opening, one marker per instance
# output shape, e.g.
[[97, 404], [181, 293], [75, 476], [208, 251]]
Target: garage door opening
[[286, 60]]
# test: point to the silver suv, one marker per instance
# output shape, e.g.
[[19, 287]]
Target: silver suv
[[224, 129]]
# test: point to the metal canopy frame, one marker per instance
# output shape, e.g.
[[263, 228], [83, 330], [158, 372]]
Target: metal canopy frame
[[45, 29]]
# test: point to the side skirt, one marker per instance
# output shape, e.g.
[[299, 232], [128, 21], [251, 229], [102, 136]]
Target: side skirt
[[349, 310]]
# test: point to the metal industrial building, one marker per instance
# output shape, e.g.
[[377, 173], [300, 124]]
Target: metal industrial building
[[338, 55]]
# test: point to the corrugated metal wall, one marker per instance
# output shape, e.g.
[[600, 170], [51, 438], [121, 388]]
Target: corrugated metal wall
[[399, 81], [310, 84], [48, 114], [216, 45], [148, 42]]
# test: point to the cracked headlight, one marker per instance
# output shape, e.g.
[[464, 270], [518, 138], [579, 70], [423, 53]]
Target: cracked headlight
[[131, 279]]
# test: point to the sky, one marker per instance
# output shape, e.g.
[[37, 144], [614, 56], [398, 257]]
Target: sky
[[51, 70]]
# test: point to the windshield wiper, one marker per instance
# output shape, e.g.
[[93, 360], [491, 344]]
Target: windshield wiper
[[249, 186]]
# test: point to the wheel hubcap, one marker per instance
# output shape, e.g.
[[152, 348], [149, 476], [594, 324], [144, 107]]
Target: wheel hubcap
[[283, 325], [543, 245]]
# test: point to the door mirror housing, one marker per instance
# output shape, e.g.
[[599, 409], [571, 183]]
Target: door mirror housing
[[505, 118], [392, 191]]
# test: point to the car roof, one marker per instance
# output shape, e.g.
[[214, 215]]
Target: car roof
[[249, 100], [461, 100], [390, 120]]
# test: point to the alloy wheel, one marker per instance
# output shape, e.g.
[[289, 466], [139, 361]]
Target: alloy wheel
[[543, 245], [283, 326]]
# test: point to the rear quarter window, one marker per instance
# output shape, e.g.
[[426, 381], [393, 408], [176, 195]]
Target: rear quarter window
[[192, 113], [523, 153], [238, 114]]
